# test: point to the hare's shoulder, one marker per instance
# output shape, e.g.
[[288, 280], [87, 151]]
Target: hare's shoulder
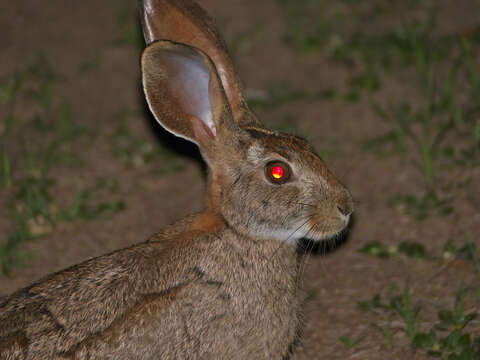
[[77, 304]]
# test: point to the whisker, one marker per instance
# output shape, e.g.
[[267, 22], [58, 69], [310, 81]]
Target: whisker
[[304, 261], [305, 204], [323, 248], [298, 228], [290, 236]]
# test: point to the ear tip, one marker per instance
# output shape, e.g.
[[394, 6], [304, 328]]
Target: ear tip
[[149, 6], [145, 15], [149, 14], [160, 19]]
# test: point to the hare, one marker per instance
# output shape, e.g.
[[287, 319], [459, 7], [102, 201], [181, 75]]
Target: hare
[[221, 284]]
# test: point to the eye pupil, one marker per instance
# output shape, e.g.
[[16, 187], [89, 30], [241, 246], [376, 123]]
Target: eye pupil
[[277, 172]]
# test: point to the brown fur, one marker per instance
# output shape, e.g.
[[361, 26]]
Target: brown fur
[[187, 23], [221, 284], [152, 299]]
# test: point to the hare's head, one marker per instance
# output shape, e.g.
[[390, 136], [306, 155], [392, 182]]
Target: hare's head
[[264, 184]]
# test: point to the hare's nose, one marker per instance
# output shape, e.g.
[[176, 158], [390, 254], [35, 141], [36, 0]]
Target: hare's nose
[[345, 204], [343, 211]]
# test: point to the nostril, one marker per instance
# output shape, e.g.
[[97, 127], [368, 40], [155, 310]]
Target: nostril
[[344, 211], [344, 203]]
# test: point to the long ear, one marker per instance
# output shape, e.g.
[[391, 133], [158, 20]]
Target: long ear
[[184, 92], [185, 22]]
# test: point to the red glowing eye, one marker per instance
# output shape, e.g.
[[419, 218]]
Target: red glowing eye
[[277, 172]]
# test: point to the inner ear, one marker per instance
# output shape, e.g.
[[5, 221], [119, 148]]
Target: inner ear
[[182, 89], [189, 79]]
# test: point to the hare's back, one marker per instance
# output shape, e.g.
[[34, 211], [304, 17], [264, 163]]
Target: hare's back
[[99, 311], [83, 304]]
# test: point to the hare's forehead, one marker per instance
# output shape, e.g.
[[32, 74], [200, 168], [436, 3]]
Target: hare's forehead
[[279, 148]]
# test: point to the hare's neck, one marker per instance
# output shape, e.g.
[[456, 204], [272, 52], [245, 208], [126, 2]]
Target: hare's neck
[[263, 281], [213, 195]]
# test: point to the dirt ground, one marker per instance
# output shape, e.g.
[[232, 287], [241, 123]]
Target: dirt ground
[[73, 33]]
